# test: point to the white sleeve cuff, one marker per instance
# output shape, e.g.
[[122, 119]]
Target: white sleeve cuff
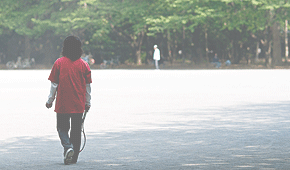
[[88, 94], [52, 94]]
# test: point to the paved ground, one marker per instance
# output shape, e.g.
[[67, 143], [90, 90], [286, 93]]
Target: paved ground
[[149, 119]]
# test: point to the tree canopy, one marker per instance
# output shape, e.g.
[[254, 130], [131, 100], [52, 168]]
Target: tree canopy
[[234, 29]]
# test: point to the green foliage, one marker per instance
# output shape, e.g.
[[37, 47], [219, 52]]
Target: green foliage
[[108, 26]]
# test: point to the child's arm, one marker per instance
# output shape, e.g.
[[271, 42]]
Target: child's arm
[[88, 96], [52, 94]]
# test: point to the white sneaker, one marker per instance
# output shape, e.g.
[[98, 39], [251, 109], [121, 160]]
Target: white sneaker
[[68, 156]]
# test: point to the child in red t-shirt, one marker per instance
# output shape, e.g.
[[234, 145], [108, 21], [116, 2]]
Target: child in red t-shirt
[[70, 79]]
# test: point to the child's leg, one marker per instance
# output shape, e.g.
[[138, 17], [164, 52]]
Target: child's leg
[[63, 126], [75, 133]]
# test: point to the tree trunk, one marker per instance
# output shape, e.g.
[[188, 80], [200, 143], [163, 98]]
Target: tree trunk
[[191, 49], [138, 54], [48, 53], [139, 60], [148, 55], [197, 45], [286, 41], [199, 54], [277, 58], [174, 49], [137, 43], [268, 62], [183, 44], [257, 52], [231, 51], [169, 46], [27, 50], [206, 46]]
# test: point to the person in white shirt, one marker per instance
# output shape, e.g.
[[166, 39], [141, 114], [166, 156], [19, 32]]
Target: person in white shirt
[[156, 56]]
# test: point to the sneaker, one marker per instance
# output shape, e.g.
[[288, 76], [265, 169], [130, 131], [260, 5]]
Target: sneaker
[[68, 156]]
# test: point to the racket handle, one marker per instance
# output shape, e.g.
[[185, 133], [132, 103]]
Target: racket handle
[[84, 116]]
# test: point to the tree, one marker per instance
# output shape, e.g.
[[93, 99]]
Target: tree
[[107, 28], [18, 17]]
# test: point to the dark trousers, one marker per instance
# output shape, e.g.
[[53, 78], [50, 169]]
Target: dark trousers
[[72, 122]]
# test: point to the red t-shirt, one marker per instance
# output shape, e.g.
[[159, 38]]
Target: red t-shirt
[[71, 77]]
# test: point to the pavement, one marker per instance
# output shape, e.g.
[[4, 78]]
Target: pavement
[[154, 119]]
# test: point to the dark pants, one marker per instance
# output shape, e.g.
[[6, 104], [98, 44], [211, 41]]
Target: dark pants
[[63, 126]]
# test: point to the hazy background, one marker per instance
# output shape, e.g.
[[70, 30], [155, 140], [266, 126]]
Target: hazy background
[[246, 32]]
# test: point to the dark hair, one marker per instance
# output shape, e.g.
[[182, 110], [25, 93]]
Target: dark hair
[[72, 48]]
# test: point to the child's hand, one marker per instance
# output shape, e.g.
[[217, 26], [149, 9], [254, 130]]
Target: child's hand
[[48, 105], [87, 107]]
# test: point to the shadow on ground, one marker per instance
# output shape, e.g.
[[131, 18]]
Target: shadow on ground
[[244, 137]]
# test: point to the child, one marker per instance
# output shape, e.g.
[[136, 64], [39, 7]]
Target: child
[[70, 78]]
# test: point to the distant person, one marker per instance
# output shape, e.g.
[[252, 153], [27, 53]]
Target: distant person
[[70, 78], [216, 61], [228, 63], [85, 57], [91, 59], [156, 56], [19, 62]]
